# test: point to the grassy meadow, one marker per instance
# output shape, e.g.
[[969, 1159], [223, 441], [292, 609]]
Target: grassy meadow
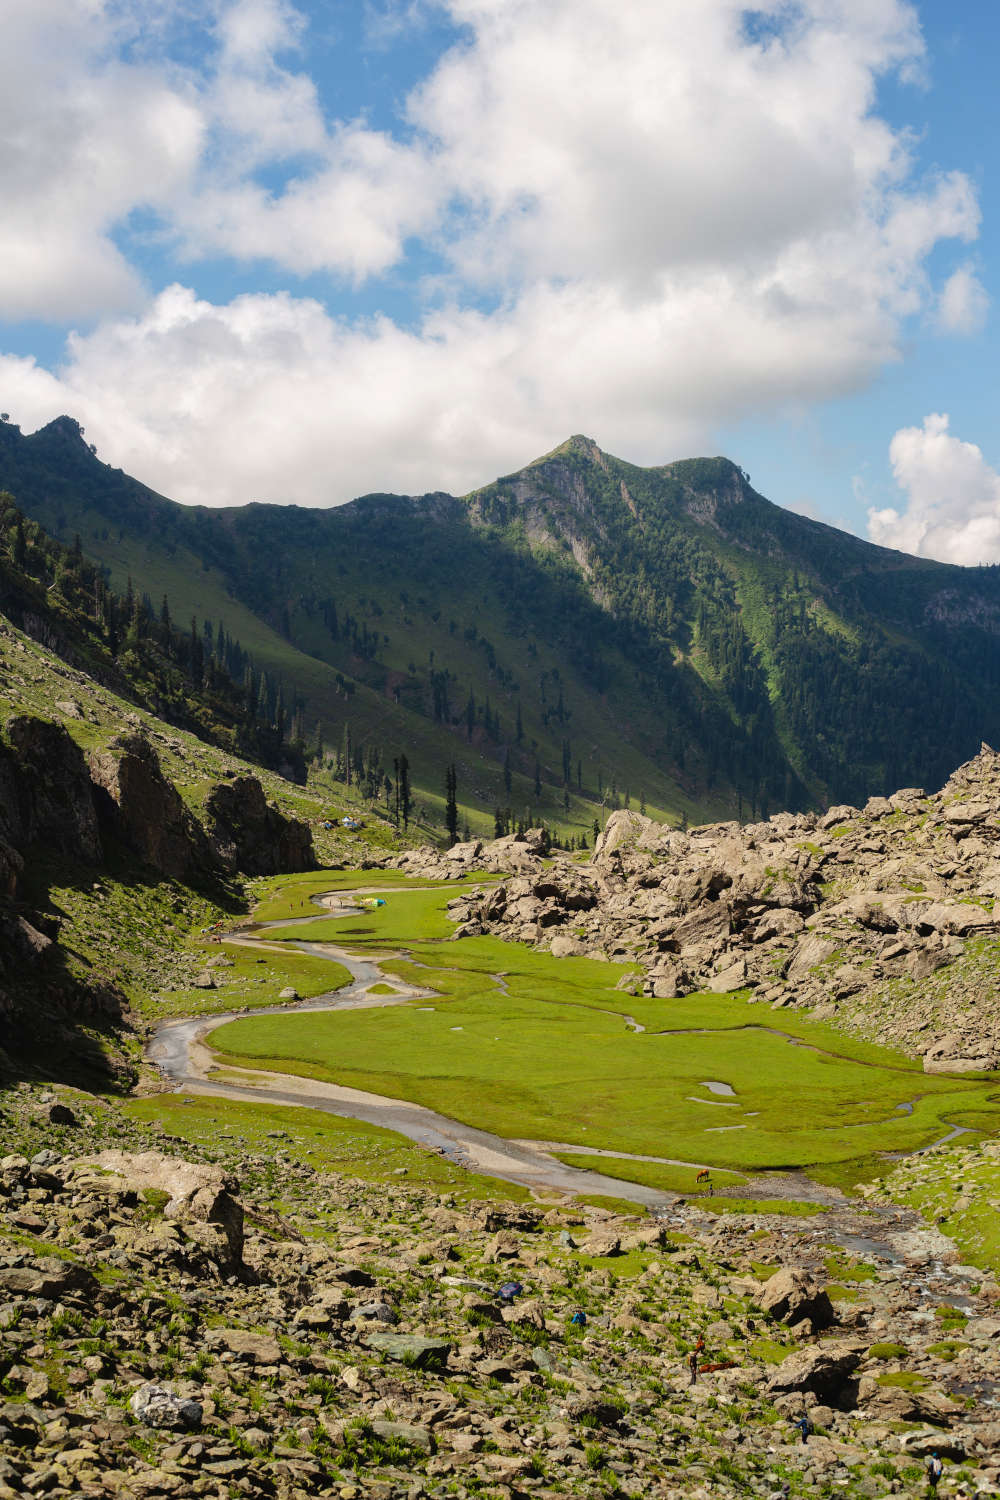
[[324, 1141], [529, 1046]]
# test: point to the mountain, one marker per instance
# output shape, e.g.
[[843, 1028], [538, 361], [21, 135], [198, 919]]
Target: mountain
[[662, 635]]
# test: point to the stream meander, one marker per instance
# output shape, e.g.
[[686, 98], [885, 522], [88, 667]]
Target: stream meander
[[182, 1051]]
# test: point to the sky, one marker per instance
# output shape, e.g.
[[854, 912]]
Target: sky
[[301, 250]]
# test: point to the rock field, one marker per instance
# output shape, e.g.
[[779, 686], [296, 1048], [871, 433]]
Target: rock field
[[881, 919], [175, 1322]]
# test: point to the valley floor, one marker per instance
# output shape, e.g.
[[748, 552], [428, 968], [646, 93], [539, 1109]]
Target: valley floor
[[220, 1291]]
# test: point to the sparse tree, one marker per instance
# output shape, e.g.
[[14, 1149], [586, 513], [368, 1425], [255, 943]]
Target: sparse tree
[[451, 804]]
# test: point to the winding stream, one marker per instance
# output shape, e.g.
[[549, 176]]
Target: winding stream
[[180, 1049]]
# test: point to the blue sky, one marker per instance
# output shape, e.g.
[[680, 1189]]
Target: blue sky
[[268, 250]]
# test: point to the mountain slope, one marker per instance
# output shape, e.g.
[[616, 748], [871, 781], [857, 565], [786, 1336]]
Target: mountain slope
[[666, 632]]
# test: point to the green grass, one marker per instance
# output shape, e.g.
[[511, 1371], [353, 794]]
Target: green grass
[[887, 1351], [548, 1055], [906, 1380], [958, 1189], [255, 979], [318, 1139], [843, 1268], [672, 1179], [288, 896]]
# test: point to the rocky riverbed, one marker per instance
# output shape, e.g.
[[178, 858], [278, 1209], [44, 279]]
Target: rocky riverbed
[[179, 1321]]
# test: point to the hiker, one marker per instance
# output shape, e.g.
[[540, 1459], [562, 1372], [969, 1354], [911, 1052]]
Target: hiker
[[579, 1318], [805, 1427], [693, 1366], [934, 1468]]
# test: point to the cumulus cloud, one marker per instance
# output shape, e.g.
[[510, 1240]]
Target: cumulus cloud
[[952, 511], [964, 302], [649, 219]]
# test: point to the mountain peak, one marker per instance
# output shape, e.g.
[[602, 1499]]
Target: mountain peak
[[578, 443]]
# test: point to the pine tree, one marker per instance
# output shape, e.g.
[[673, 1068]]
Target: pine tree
[[538, 778], [451, 804], [405, 800], [197, 654], [506, 773], [520, 726]]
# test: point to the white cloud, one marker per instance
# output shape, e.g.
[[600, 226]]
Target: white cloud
[[680, 215], [964, 302], [952, 511], [271, 398]]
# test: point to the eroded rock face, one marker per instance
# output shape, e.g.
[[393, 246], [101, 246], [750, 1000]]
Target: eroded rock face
[[248, 833], [142, 808], [47, 797]]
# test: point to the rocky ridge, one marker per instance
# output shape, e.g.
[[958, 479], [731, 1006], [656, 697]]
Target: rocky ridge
[[879, 918], [60, 807], [166, 1332]]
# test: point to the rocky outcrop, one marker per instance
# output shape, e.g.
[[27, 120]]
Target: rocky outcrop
[[46, 793], [139, 806], [875, 916], [199, 1197], [249, 833]]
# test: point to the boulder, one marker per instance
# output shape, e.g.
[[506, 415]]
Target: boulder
[[49, 1277], [791, 1296], [195, 1191], [159, 1406], [259, 1348], [622, 830], [404, 1432], [824, 1369], [411, 1349], [809, 954]]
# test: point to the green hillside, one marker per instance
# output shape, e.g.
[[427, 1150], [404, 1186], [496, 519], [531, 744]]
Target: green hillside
[[574, 634]]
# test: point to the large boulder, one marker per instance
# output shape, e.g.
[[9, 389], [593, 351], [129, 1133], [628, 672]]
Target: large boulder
[[49, 1277], [158, 1406], [196, 1194], [825, 1369], [792, 1296], [250, 834], [144, 810], [623, 830]]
